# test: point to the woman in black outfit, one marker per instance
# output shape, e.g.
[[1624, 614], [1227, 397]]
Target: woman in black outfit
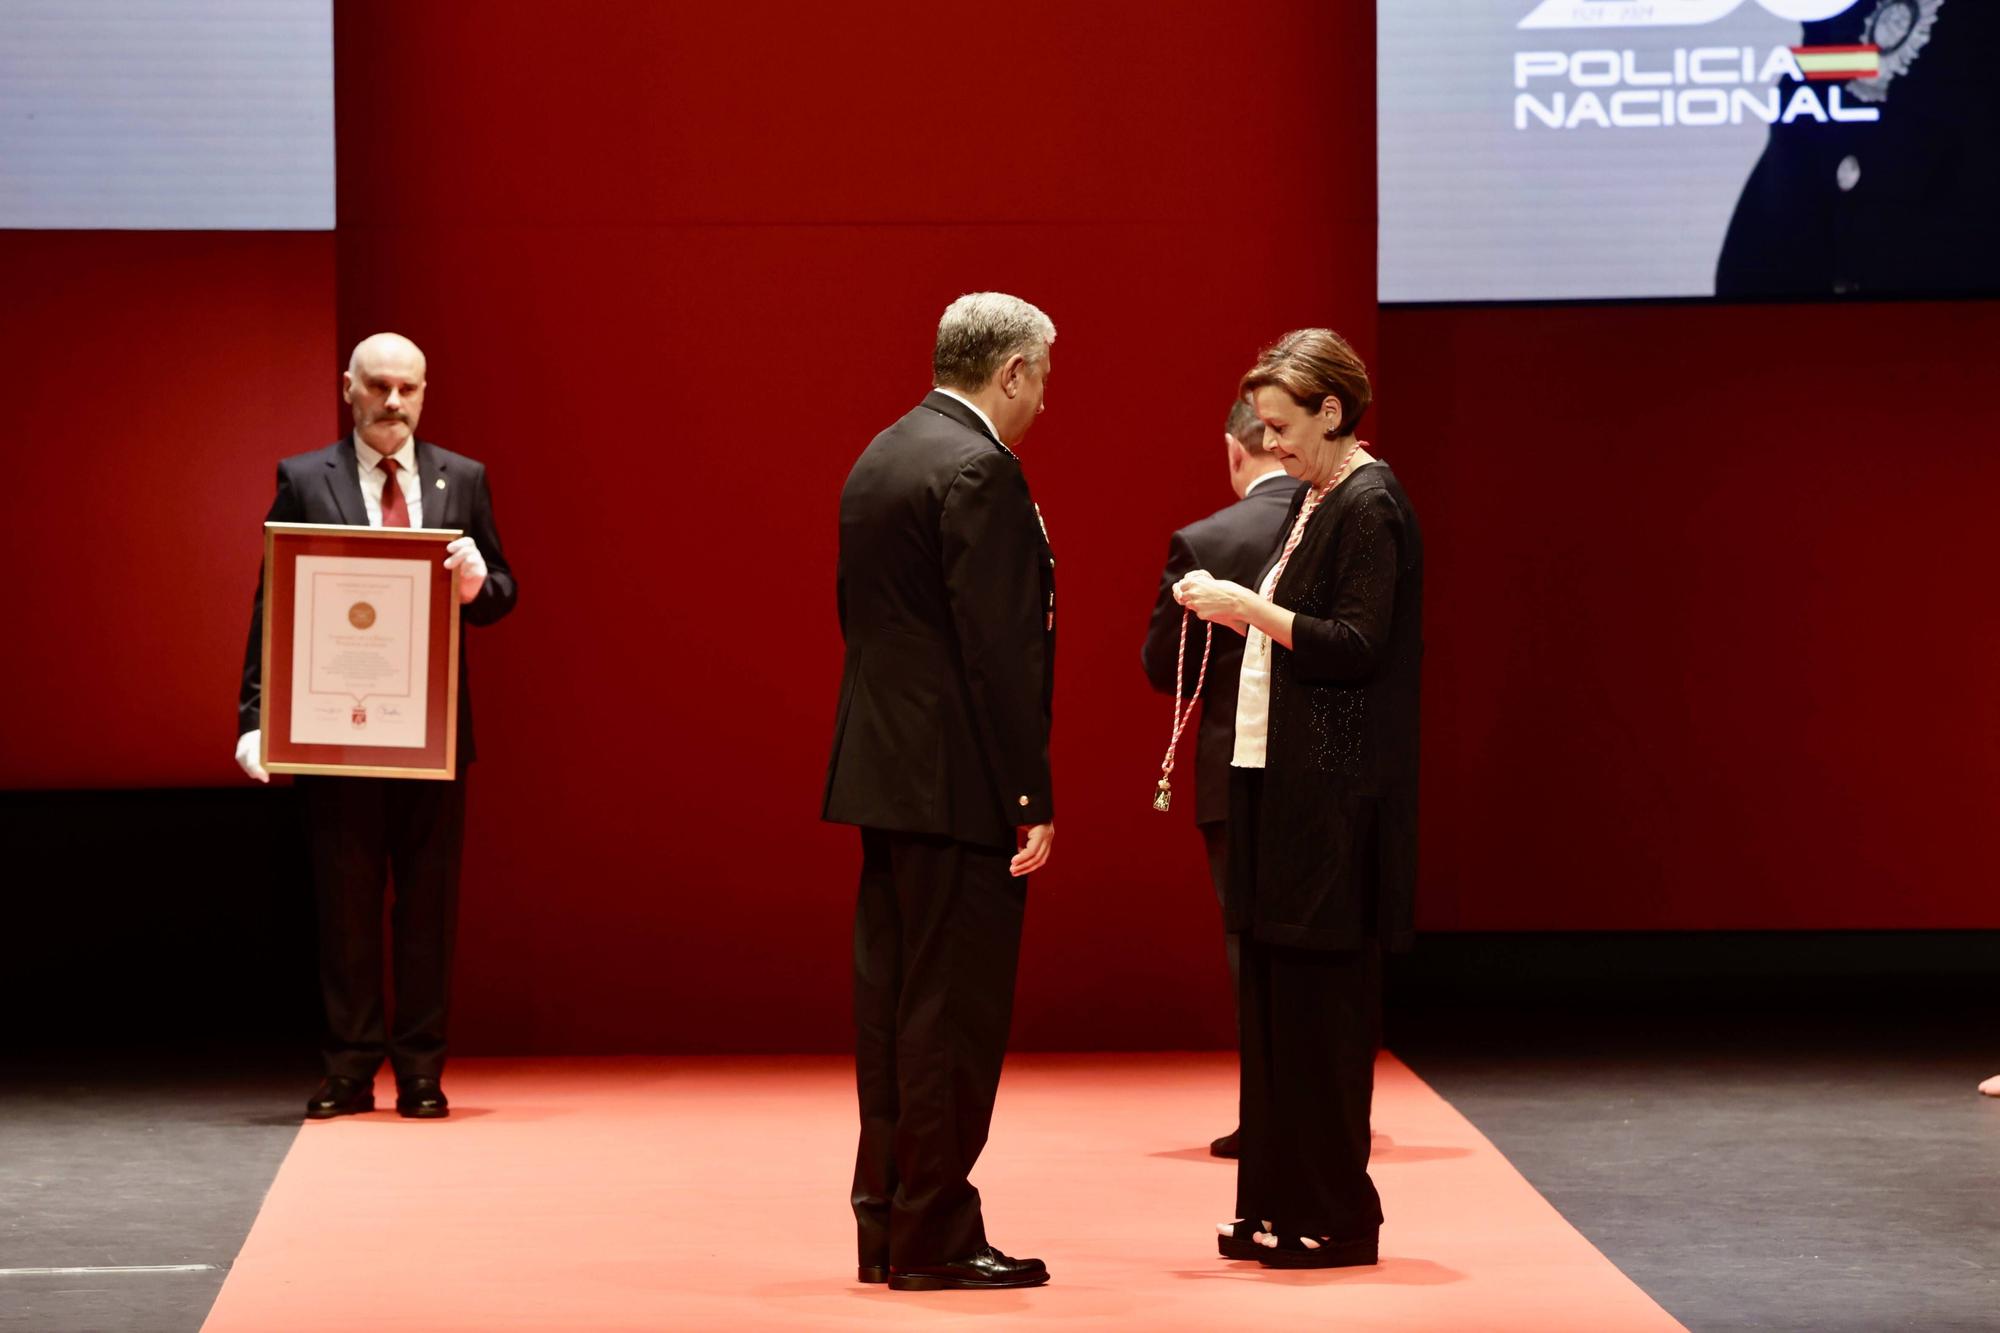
[[1324, 786]]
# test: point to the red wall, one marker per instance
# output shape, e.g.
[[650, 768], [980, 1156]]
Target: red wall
[[1708, 608], [1710, 614], [153, 379], [674, 266]]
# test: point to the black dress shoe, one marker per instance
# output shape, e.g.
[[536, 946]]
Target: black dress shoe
[[1224, 1146], [872, 1273], [421, 1099], [337, 1095], [988, 1269]]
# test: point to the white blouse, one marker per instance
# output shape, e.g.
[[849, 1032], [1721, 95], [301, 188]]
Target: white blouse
[[1253, 690]]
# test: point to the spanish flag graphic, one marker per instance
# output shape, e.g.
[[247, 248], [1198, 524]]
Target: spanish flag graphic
[[1838, 62]]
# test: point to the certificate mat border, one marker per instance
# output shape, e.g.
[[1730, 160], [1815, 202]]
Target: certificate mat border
[[428, 536]]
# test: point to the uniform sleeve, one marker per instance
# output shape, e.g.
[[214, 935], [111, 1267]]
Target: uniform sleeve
[[1163, 634], [496, 597], [285, 508], [993, 552]]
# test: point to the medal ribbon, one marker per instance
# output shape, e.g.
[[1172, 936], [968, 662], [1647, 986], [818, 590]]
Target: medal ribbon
[[1164, 792], [1181, 714]]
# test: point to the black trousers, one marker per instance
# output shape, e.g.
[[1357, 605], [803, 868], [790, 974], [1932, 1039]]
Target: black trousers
[[1215, 839], [361, 832], [1309, 1023], [937, 936]]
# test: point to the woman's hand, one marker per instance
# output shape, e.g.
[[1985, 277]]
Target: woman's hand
[[1214, 599]]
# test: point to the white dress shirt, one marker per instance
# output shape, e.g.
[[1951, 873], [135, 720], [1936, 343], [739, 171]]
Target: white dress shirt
[[976, 411], [1274, 472], [372, 477]]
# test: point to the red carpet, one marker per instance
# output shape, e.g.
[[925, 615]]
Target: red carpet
[[648, 1194]]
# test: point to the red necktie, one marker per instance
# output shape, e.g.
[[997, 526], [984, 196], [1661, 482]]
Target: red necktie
[[395, 511]]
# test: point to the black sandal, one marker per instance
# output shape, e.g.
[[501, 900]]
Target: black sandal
[[1237, 1240], [1279, 1251]]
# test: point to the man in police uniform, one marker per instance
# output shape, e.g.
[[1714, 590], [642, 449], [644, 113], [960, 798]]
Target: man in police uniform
[[1904, 205], [945, 588]]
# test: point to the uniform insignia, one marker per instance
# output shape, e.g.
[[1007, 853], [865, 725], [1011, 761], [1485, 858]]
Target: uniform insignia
[[1899, 29]]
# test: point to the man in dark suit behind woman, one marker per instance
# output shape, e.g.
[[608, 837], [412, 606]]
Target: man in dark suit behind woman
[[946, 595], [1237, 542]]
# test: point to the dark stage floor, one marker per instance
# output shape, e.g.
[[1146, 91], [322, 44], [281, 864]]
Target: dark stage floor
[[1748, 1170], [128, 1163], [1753, 1171]]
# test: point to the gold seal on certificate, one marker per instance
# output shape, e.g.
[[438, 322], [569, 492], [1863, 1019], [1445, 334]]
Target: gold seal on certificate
[[361, 651]]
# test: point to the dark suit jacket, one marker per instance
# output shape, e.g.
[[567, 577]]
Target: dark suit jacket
[[1238, 543], [946, 593], [324, 487]]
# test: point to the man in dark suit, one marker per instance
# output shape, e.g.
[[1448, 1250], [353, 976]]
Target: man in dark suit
[[359, 829], [1242, 540], [946, 594]]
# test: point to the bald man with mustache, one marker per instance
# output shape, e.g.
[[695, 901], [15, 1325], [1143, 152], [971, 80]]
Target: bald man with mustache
[[359, 828]]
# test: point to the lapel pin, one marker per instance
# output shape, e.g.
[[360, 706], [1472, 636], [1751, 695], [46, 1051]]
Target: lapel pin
[[440, 483]]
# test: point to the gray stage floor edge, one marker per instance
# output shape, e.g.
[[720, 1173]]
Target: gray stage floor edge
[[1803, 1172], [136, 1182]]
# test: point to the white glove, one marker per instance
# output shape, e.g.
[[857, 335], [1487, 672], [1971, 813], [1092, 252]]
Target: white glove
[[463, 555], [248, 747]]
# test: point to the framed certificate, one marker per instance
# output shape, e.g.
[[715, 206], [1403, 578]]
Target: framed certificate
[[360, 651]]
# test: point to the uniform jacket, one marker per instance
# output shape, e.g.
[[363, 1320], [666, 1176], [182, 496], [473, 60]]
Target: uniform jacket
[[946, 594], [1907, 205]]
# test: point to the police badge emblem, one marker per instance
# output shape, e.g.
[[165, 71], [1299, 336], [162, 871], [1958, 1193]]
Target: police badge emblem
[[1898, 29]]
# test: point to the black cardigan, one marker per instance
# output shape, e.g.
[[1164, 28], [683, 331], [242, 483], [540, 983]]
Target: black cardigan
[[1336, 837]]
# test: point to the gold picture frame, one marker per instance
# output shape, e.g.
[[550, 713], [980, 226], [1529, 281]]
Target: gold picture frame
[[339, 547]]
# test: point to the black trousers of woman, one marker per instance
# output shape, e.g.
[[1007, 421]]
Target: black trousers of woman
[[1310, 1023]]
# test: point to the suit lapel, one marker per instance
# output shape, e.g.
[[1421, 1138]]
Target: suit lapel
[[344, 481], [432, 484]]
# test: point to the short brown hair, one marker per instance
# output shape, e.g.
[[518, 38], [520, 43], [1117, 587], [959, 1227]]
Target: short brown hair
[[1312, 365]]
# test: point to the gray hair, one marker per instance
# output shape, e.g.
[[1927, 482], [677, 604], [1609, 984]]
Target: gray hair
[[980, 331], [1245, 425]]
